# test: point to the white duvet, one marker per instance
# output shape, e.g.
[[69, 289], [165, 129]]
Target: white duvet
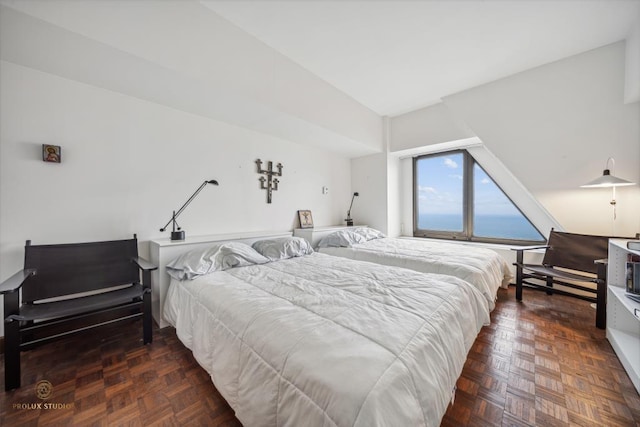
[[483, 268], [326, 341]]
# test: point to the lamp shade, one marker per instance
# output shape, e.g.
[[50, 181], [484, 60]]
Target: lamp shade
[[607, 180]]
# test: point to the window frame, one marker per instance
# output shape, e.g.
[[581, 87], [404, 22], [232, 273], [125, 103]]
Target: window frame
[[467, 206]]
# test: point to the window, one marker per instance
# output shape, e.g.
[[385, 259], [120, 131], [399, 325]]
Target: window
[[454, 198]]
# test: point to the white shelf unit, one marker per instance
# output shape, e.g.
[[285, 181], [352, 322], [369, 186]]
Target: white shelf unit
[[623, 323]]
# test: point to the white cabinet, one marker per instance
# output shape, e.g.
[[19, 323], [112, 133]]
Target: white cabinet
[[623, 314]]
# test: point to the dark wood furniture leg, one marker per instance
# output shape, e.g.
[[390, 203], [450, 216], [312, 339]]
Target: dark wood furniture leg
[[11, 343], [519, 262]]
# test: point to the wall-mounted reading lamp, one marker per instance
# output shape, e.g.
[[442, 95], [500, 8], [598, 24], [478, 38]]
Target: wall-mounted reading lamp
[[348, 219], [178, 232], [608, 180]]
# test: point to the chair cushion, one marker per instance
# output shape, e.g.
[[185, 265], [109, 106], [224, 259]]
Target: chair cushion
[[87, 304], [550, 271]]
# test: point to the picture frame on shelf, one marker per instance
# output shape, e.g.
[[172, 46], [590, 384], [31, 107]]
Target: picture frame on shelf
[[306, 219]]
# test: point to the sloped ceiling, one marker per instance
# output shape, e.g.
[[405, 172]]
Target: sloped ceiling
[[314, 72], [183, 55], [398, 56]]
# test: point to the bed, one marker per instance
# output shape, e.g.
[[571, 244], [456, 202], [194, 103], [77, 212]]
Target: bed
[[294, 337], [482, 267]]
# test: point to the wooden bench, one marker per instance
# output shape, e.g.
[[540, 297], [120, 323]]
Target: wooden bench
[[91, 284]]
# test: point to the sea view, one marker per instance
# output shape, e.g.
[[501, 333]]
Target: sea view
[[500, 226]]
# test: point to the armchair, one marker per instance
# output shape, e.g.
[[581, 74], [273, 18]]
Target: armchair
[[91, 284], [575, 261]]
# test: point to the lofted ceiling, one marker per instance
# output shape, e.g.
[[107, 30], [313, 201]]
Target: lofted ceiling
[[398, 56], [321, 73]]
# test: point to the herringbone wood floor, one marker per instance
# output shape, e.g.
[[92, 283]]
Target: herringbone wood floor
[[539, 363]]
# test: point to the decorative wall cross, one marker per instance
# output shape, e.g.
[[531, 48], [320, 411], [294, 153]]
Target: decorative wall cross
[[272, 184]]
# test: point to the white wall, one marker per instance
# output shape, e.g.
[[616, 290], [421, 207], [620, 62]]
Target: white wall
[[554, 127], [127, 163], [395, 199], [632, 68], [427, 126], [182, 54], [369, 179]]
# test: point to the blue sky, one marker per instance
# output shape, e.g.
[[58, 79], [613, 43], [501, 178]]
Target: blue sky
[[440, 188]]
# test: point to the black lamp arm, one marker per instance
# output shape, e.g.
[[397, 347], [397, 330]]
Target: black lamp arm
[[175, 214], [351, 205]]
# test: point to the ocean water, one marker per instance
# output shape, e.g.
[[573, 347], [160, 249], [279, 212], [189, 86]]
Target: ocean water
[[498, 226]]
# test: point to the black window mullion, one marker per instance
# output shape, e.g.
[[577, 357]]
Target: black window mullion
[[468, 195]]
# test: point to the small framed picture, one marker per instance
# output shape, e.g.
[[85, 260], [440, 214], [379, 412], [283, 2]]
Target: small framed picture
[[306, 220], [51, 153]]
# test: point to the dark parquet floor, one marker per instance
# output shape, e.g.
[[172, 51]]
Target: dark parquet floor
[[539, 363]]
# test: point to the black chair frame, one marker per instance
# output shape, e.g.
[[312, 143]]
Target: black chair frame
[[69, 288], [568, 258]]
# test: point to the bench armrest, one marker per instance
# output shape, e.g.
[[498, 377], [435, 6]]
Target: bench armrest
[[528, 248], [16, 281], [143, 264]]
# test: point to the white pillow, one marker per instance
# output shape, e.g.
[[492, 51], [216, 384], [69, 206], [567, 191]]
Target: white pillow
[[341, 239], [219, 256], [368, 233], [283, 248]]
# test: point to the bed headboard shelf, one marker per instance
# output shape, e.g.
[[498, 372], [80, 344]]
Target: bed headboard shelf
[[163, 250]]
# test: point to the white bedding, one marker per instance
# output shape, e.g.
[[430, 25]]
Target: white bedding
[[323, 341], [483, 268]]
